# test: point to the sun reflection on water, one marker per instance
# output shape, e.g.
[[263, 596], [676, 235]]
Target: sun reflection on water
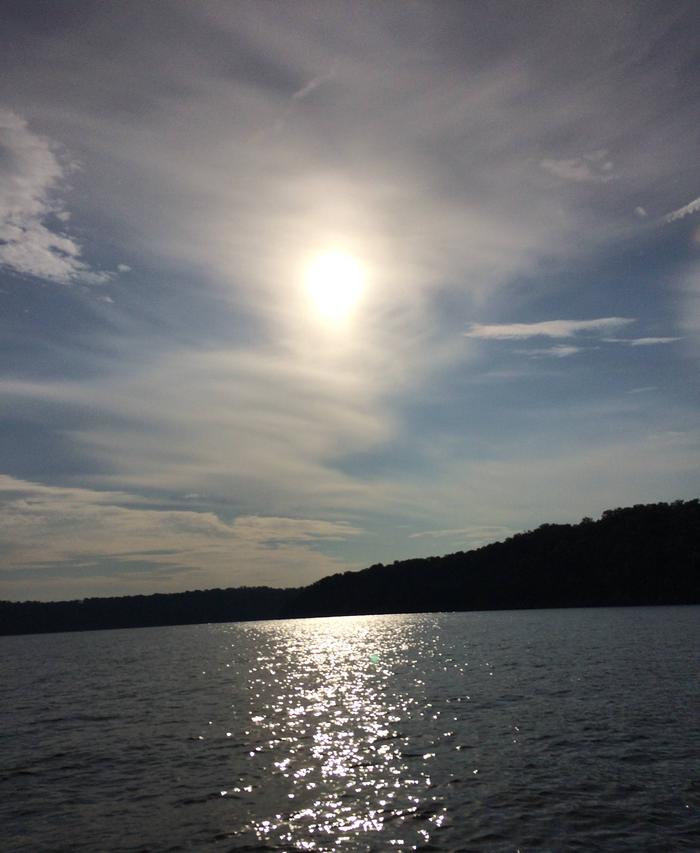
[[332, 733]]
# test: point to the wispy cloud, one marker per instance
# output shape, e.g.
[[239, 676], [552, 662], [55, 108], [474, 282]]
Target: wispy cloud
[[595, 167], [265, 424], [475, 534], [641, 342], [682, 212], [312, 85], [466, 173], [546, 328], [30, 179], [562, 329], [558, 351], [41, 524]]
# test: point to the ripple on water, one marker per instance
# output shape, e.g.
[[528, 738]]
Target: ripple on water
[[497, 731]]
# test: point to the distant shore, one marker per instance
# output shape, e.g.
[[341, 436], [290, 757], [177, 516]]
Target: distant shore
[[648, 554]]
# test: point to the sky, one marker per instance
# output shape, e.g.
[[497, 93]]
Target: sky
[[288, 289]]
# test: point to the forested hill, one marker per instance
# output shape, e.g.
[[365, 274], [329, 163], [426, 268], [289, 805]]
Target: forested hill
[[646, 554], [139, 611]]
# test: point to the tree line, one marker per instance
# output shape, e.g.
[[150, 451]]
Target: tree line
[[648, 554]]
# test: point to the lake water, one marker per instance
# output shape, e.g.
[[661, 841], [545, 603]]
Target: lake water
[[531, 731]]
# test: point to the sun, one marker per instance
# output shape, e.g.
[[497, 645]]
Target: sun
[[335, 282]]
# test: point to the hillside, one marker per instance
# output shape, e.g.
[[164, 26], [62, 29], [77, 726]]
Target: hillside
[[646, 554], [140, 611], [641, 555]]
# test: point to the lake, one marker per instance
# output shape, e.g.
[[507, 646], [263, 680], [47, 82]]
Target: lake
[[519, 730]]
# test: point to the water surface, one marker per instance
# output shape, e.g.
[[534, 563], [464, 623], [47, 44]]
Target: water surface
[[530, 731]]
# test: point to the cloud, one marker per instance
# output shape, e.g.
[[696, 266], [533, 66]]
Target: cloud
[[682, 212], [537, 487], [591, 168], [383, 178], [211, 376], [312, 85], [248, 427], [355, 170], [641, 342], [547, 328], [30, 178], [558, 351], [43, 526], [640, 212], [474, 535], [561, 329], [269, 530]]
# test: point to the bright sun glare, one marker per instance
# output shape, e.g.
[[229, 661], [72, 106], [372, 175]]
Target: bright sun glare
[[335, 282]]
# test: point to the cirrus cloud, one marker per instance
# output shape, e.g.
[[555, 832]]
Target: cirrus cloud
[[545, 329], [641, 342]]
